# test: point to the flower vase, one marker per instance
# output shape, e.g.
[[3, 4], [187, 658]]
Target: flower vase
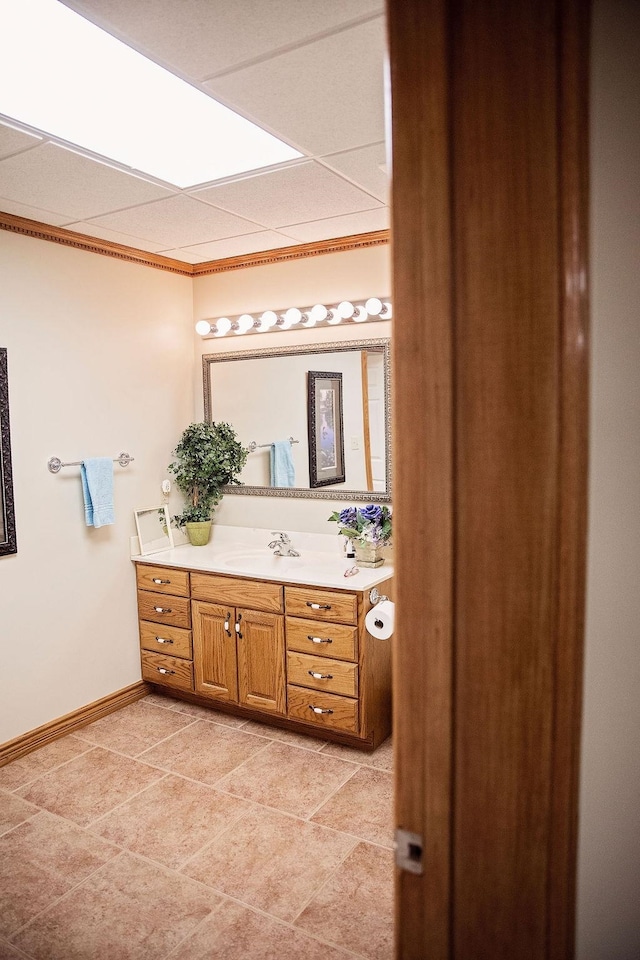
[[368, 555], [198, 532]]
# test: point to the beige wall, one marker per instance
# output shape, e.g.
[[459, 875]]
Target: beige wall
[[100, 359], [609, 848]]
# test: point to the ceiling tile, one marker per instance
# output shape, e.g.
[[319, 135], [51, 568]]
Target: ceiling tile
[[323, 97], [65, 182], [32, 213], [179, 221], [293, 194], [364, 222], [236, 246], [13, 141], [200, 38], [363, 167], [94, 229]]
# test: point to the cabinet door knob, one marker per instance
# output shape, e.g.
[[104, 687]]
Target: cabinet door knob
[[319, 606], [226, 624], [238, 626], [163, 609], [318, 709], [320, 676], [158, 580], [319, 639], [164, 670], [163, 640]]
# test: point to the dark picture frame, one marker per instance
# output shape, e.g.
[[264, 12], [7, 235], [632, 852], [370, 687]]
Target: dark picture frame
[[326, 428], [8, 543]]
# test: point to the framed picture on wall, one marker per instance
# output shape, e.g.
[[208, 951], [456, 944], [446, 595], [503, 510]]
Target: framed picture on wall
[[7, 515], [326, 430]]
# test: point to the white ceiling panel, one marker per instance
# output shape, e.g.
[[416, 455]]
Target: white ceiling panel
[[235, 246], [177, 222], [363, 167], [364, 222], [56, 179], [103, 233], [32, 213], [200, 38], [323, 97], [294, 194], [13, 141]]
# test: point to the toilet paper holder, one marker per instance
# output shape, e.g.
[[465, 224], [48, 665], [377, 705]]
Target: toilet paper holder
[[376, 597]]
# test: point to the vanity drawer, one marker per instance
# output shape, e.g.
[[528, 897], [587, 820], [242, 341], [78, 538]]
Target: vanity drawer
[[171, 610], [167, 670], [339, 712], [163, 580], [173, 641], [321, 604], [322, 673], [252, 594], [322, 639]]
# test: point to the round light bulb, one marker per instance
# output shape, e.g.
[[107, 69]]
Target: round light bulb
[[203, 327], [267, 320], [334, 316], [360, 314], [245, 322], [292, 315], [346, 309], [373, 306], [386, 312], [223, 325], [318, 313]]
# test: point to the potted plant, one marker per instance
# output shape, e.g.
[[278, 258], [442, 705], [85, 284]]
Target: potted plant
[[208, 457], [368, 528]]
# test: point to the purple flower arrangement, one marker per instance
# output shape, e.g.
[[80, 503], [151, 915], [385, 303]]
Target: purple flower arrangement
[[370, 524]]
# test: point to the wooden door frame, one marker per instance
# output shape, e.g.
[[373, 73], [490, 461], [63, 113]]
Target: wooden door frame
[[436, 46]]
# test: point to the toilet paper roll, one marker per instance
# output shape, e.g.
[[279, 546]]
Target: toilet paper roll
[[380, 619]]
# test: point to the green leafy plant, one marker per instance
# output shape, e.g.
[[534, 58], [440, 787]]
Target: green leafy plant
[[208, 457], [370, 524]]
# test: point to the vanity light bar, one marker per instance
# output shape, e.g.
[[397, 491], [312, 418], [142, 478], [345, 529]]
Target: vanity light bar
[[347, 311]]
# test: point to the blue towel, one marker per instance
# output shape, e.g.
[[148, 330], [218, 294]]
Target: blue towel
[[283, 472], [97, 490]]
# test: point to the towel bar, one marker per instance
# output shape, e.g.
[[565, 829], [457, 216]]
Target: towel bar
[[55, 464], [257, 446]]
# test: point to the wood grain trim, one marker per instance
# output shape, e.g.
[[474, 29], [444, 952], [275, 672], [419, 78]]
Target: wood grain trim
[[423, 480], [295, 252], [41, 736], [81, 241]]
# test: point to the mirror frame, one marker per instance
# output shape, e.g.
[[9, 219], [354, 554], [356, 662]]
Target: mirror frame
[[8, 543], [159, 508], [342, 346]]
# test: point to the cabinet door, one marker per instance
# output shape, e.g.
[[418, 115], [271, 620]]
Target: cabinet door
[[214, 651], [261, 665]]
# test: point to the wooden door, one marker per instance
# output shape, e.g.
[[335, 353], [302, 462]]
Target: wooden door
[[490, 405], [261, 663], [214, 651]]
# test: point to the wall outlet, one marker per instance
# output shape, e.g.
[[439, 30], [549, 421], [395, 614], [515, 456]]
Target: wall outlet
[[355, 443]]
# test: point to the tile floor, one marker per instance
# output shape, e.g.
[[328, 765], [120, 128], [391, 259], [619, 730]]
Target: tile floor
[[167, 830]]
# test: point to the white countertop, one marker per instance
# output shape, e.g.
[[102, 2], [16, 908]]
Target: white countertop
[[243, 552]]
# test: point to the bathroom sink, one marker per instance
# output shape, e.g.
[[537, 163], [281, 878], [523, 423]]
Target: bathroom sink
[[260, 562]]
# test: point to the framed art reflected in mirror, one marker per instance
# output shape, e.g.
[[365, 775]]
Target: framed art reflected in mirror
[[7, 513]]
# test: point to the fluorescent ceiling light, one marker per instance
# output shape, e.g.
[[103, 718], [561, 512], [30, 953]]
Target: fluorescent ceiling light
[[67, 78]]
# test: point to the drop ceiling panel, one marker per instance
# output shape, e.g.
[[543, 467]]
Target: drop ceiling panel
[[363, 167], [364, 222], [200, 38], [32, 213], [323, 97], [234, 246], [13, 141], [103, 233], [179, 221], [59, 180], [294, 194]]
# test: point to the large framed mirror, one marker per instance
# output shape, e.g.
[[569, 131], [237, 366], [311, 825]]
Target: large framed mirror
[[7, 516], [264, 394]]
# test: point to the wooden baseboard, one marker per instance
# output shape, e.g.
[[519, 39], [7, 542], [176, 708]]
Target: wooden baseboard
[[33, 739]]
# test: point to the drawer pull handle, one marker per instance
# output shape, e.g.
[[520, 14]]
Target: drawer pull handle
[[318, 709], [226, 625], [319, 639], [163, 609], [164, 670], [319, 606], [320, 676], [238, 626], [158, 580], [163, 640]]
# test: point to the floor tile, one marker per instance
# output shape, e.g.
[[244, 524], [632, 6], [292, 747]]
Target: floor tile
[[363, 806], [90, 786], [40, 861], [381, 759], [128, 910], [204, 751], [7, 952], [206, 713], [158, 700], [13, 810], [234, 932], [171, 820], [270, 861], [310, 778], [33, 765], [354, 909], [285, 736], [134, 728]]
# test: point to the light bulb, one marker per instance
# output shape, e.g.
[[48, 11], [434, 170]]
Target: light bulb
[[267, 320], [203, 327], [244, 323], [346, 309], [223, 325], [318, 313], [373, 306], [292, 315], [360, 314], [386, 312], [334, 316]]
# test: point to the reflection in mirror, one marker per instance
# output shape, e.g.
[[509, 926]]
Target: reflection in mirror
[[264, 395], [154, 529]]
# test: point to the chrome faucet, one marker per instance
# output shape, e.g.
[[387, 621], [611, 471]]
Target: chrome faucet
[[282, 546]]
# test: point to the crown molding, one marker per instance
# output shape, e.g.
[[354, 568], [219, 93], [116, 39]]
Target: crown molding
[[81, 241]]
